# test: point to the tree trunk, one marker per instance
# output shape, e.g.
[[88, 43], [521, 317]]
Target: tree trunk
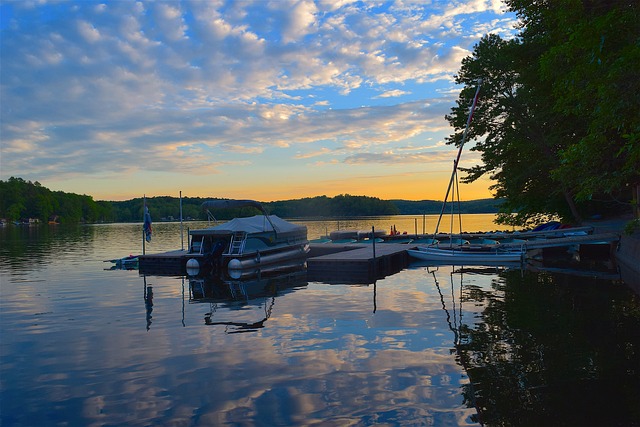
[[572, 206], [635, 200]]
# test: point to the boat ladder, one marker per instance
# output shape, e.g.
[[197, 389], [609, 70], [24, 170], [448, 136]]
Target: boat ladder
[[237, 290], [238, 239]]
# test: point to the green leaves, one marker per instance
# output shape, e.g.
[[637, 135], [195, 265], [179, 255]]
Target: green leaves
[[558, 121], [20, 199]]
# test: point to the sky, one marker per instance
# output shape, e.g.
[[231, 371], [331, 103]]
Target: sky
[[264, 100]]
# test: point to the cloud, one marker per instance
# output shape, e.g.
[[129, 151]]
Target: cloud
[[422, 147], [300, 18], [119, 87], [88, 32], [392, 93], [392, 158], [320, 152]]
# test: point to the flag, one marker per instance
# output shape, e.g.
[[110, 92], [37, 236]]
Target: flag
[[147, 224]]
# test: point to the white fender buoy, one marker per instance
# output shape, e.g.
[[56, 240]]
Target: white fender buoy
[[234, 264], [235, 268], [193, 267]]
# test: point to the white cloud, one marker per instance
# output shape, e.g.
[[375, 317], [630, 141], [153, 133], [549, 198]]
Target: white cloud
[[299, 21], [393, 93], [88, 32], [192, 84], [322, 151], [332, 5], [397, 159]]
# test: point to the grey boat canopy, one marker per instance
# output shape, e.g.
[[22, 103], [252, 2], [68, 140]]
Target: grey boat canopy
[[233, 204], [251, 225], [255, 225]]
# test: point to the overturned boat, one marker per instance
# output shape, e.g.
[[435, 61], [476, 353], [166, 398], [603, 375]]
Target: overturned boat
[[246, 246]]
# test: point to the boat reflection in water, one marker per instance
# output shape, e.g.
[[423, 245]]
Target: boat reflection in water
[[259, 291]]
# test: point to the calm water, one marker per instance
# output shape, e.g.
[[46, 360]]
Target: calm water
[[409, 224], [82, 345]]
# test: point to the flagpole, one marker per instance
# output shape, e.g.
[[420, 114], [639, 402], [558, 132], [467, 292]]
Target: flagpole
[[144, 206]]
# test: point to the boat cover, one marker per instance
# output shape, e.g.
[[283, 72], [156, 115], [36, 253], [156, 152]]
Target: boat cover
[[254, 224]]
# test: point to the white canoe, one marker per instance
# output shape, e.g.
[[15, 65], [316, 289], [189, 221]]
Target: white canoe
[[466, 255]]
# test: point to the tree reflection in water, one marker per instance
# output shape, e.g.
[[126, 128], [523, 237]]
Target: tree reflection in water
[[546, 349]]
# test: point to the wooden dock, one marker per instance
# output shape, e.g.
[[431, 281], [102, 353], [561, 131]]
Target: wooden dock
[[356, 263], [172, 263], [330, 262], [367, 262]]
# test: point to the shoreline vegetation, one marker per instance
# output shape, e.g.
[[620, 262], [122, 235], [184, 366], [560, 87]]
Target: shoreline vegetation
[[23, 200]]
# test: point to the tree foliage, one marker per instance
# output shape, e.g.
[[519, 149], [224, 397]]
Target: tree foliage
[[557, 124], [426, 207], [168, 208], [602, 89], [20, 200]]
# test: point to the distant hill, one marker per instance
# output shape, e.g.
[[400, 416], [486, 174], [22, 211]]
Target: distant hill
[[410, 207], [344, 205], [20, 200]]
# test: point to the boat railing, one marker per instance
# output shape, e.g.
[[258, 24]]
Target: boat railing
[[196, 247], [238, 241]]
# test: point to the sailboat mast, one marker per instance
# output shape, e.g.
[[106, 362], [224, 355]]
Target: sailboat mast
[[455, 164]]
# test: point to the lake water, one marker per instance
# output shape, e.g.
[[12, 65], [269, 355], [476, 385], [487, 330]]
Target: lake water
[[83, 345]]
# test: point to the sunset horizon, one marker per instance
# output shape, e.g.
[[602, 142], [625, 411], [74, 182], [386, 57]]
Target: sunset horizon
[[260, 100]]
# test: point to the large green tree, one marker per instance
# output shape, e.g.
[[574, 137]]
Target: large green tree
[[593, 67], [552, 129]]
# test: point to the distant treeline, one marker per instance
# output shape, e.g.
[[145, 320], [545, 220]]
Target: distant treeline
[[344, 205], [21, 200], [409, 207]]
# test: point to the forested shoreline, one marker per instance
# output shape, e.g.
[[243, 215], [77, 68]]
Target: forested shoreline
[[21, 200]]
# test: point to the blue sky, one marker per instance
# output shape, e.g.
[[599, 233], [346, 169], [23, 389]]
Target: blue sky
[[267, 100]]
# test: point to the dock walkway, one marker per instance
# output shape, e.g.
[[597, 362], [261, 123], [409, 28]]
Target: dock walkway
[[164, 263], [356, 263]]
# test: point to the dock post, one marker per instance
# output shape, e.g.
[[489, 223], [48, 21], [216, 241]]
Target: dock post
[[373, 245], [373, 241], [181, 229]]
